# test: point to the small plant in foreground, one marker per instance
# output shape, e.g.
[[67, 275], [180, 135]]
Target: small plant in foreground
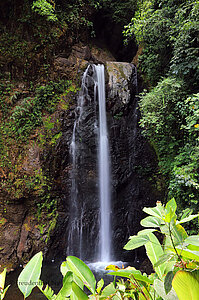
[[175, 262]]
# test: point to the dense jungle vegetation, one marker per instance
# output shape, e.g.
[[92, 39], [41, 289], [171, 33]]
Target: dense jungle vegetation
[[32, 33], [168, 34]]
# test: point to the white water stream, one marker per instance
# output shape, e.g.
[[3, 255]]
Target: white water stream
[[76, 230], [104, 170]]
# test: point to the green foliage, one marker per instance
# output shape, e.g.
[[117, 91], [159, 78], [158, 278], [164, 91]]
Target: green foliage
[[29, 277], [184, 36], [28, 114], [168, 260], [3, 290], [170, 121], [45, 8], [118, 11], [168, 30], [186, 285]]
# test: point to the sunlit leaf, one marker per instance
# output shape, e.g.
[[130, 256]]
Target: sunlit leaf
[[193, 239], [154, 251], [187, 219], [136, 242], [81, 270], [65, 268], [108, 290], [145, 231], [157, 211], [186, 285], [67, 285], [78, 292], [187, 254], [132, 273], [100, 285], [29, 276], [151, 222], [47, 291], [159, 288], [163, 258]]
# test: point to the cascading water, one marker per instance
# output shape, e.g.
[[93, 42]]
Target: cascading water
[[104, 170], [76, 212], [93, 83]]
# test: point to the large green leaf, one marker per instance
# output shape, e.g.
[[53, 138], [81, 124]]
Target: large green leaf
[[146, 231], [159, 288], [157, 211], [187, 219], [100, 285], [80, 295], [168, 281], [136, 242], [108, 291], [164, 258], [170, 210], [81, 270], [130, 273], [29, 277], [193, 239], [67, 286], [65, 268], [151, 222], [2, 279], [154, 251], [178, 235], [187, 254], [186, 285]]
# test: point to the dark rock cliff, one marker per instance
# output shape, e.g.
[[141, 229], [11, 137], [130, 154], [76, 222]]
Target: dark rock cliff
[[133, 171], [133, 167]]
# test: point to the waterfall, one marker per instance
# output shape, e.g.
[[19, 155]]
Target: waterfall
[[76, 209], [104, 170], [79, 239]]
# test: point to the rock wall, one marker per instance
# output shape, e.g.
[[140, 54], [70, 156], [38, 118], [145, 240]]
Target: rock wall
[[133, 171], [133, 165]]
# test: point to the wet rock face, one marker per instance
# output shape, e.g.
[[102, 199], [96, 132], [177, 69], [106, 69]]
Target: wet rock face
[[131, 157], [133, 164]]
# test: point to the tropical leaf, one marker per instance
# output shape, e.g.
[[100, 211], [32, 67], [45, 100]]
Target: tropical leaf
[[136, 242], [29, 277], [187, 219], [154, 251], [65, 268], [168, 281], [81, 270], [108, 290], [187, 254], [67, 286], [186, 285], [157, 211], [130, 272], [78, 292], [163, 258], [193, 240], [100, 285], [146, 231], [151, 222], [159, 288], [2, 279]]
